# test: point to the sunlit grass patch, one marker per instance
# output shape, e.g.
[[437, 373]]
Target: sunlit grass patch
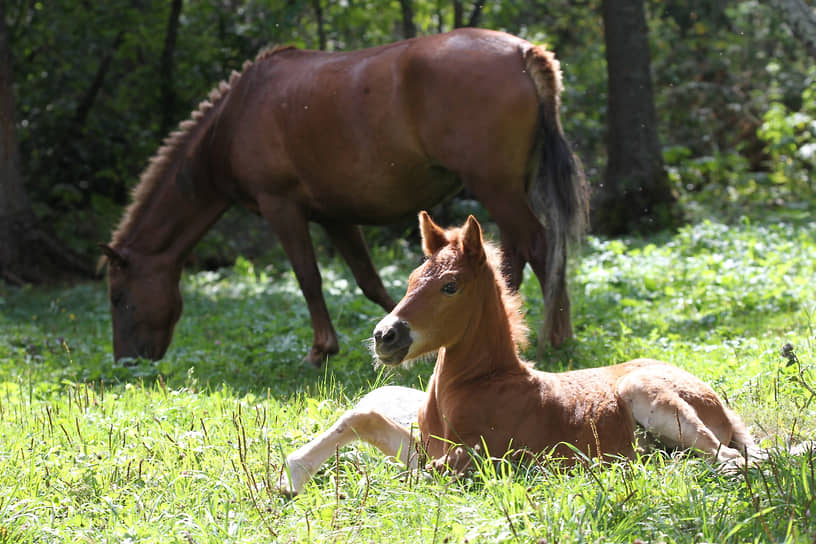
[[188, 449]]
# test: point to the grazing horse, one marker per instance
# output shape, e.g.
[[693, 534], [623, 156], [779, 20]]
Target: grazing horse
[[482, 395], [350, 138]]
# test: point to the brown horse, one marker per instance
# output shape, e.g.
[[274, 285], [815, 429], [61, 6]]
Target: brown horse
[[483, 396], [343, 139]]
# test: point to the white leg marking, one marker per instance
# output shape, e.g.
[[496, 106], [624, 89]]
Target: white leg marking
[[367, 425]]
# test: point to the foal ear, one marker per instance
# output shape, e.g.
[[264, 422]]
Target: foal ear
[[114, 257], [433, 237], [472, 243]]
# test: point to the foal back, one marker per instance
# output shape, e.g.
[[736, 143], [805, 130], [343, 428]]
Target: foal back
[[596, 410]]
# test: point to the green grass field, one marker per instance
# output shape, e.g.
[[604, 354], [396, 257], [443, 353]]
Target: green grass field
[[187, 449]]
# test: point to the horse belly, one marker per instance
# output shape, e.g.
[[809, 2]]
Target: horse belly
[[340, 145]]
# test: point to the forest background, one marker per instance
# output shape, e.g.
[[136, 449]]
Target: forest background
[[96, 86]]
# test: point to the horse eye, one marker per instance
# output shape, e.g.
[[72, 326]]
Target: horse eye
[[449, 288]]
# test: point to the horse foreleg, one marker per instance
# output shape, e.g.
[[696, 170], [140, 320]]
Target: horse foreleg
[[349, 241], [289, 223], [358, 424]]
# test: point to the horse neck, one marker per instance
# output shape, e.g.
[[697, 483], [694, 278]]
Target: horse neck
[[487, 348], [173, 218]]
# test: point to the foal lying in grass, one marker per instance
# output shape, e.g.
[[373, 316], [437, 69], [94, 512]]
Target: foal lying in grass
[[482, 394]]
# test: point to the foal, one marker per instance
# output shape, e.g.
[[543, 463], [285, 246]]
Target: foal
[[483, 395]]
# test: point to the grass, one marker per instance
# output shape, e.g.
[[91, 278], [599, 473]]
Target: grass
[[186, 449]]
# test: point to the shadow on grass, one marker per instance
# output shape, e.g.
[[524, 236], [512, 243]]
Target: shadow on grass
[[248, 333], [249, 329]]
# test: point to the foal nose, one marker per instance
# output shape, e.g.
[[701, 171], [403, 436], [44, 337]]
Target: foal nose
[[387, 335], [392, 339]]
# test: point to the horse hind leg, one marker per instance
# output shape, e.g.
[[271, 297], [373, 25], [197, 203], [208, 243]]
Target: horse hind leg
[[524, 239], [361, 423], [349, 241]]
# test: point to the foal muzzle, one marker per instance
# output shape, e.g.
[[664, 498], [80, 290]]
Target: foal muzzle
[[392, 340]]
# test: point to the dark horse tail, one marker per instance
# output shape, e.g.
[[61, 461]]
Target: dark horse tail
[[558, 190]]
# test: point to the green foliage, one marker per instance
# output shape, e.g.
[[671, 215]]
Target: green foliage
[[721, 72], [718, 70], [188, 448], [790, 137]]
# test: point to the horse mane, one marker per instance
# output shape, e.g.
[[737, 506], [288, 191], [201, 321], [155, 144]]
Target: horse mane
[[177, 142]]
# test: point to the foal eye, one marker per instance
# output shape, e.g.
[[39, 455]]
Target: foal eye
[[449, 288]]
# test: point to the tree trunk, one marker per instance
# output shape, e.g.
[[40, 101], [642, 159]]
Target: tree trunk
[[16, 215], [801, 19], [168, 91], [321, 31], [635, 195], [408, 27], [458, 14], [476, 14], [26, 252]]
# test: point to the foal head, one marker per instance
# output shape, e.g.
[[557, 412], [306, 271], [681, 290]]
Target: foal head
[[145, 302], [444, 293]]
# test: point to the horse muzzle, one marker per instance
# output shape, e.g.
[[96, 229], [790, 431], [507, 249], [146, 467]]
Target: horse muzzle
[[392, 340]]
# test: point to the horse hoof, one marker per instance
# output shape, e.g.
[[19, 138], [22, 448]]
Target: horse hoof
[[317, 357]]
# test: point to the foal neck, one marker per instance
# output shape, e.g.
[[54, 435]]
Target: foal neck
[[486, 349]]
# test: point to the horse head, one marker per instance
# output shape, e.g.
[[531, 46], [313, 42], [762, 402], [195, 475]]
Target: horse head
[[441, 294], [145, 302]]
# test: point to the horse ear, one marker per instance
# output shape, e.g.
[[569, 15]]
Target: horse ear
[[433, 237], [114, 257], [472, 243]]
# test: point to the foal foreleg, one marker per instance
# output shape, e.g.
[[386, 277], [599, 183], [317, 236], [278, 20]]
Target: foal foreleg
[[367, 425]]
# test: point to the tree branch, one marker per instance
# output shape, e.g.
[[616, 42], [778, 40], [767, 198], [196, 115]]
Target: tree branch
[[90, 95]]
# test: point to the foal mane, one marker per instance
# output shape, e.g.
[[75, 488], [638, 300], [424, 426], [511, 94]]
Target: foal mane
[[177, 142], [511, 300]]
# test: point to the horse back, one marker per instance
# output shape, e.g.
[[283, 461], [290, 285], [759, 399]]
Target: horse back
[[400, 124]]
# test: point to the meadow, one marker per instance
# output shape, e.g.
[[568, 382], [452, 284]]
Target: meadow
[[187, 449]]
